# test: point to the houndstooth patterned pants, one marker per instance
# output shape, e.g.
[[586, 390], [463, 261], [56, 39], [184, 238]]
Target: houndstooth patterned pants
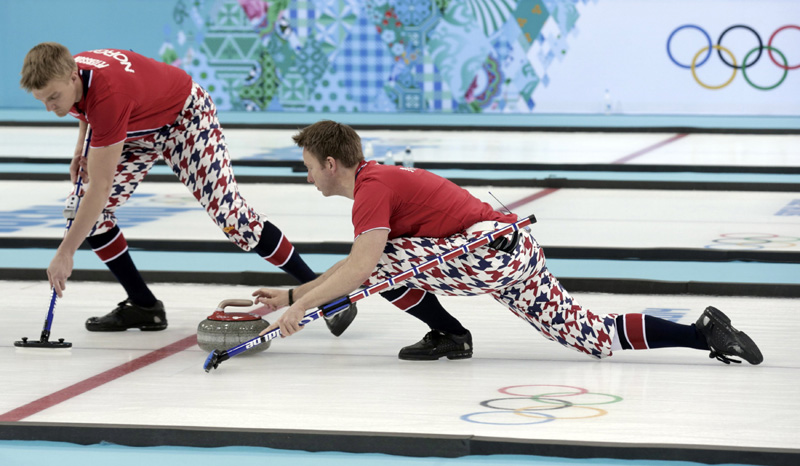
[[195, 149], [519, 280]]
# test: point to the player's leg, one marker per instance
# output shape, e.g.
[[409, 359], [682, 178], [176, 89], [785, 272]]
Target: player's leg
[[196, 151], [712, 331], [549, 308], [640, 331], [140, 309]]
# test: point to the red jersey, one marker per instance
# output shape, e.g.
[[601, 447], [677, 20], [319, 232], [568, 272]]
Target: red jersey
[[127, 96], [411, 202]]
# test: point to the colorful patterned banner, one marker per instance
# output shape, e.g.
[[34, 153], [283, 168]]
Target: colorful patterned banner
[[402, 56]]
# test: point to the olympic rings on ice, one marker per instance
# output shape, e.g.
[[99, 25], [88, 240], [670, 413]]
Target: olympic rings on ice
[[753, 241], [733, 64], [549, 405]]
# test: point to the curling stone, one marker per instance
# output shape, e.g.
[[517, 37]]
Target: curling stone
[[224, 330]]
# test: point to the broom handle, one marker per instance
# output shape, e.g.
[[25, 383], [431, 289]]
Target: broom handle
[[48, 321]]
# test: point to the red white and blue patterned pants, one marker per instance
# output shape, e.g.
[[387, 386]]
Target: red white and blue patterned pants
[[519, 280], [195, 149]]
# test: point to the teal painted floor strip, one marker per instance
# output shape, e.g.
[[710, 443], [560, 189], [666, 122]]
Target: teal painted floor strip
[[165, 261], [678, 271], [48, 168], [620, 176], [222, 262], [526, 122], [67, 454], [62, 168]]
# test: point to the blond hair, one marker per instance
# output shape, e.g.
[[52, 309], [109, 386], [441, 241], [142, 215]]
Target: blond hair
[[328, 138], [45, 62]]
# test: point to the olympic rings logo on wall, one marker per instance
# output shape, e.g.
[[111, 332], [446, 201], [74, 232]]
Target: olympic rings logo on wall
[[732, 63], [538, 404]]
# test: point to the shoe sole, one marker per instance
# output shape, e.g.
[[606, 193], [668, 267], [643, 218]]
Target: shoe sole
[[144, 328], [452, 355], [153, 328], [718, 317]]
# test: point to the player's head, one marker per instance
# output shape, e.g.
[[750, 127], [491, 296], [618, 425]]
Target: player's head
[[328, 138], [49, 72]]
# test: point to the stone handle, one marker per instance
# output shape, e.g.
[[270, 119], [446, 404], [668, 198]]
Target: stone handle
[[234, 302]]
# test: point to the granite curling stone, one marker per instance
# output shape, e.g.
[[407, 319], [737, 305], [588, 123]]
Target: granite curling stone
[[224, 330]]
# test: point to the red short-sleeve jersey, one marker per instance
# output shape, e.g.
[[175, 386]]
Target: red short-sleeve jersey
[[411, 202], [127, 96]]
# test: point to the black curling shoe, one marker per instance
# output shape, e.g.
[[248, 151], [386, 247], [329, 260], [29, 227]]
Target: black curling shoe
[[724, 340], [129, 315], [436, 344], [339, 322]]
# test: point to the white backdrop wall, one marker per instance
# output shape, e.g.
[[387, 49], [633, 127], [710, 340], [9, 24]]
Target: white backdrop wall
[[621, 46]]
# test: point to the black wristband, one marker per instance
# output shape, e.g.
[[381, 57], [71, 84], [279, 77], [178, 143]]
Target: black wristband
[[291, 298]]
